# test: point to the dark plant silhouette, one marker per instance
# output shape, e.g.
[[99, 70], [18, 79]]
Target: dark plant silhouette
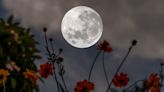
[[55, 59], [18, 72], [134, 42]]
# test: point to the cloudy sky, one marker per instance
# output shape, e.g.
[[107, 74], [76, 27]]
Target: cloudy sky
[[123, 21]]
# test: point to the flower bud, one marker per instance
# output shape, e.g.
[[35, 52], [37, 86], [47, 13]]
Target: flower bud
[[134, 42], [44, 29]]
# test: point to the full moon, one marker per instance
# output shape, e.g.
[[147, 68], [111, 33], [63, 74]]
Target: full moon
[[82, 27]]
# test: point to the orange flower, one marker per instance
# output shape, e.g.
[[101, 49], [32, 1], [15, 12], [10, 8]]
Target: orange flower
[[105, 46], [31, 75], [152, 83], [3, 76], [84, 86], [46, 69], [120, 80]]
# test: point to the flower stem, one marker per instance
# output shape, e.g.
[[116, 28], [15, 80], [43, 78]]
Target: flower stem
[[64, 83], [51, 56], [52, 47], [56, 78], [4, 87], [60, 66], [106, 76], [47, 46], [134, 84], [93, 63], [119, 67]]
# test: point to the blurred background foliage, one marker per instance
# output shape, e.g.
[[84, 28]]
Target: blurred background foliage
[[17, 45]]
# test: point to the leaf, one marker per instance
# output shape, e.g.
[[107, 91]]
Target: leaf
[[4, 35], [13, 82], [10, 19], [37, 56], [16, 23], [28, 30]]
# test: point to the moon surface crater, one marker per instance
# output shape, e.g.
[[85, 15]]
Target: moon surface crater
[[82, 27]]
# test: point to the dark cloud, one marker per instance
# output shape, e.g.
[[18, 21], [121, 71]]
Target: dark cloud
[[39, 12]]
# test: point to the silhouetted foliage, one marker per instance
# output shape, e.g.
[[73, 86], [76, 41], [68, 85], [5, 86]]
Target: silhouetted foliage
[[17, 54]]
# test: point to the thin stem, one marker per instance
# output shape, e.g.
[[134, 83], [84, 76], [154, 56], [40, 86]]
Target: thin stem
[[56, 78], [121, 64], [47, 46], [45, 36], [58, 54], [57, 82], [103, 63], [53, 56], [62, 77], [4, 87], [134, 84], [53, 51], [50, 55], [64, 83], [93, 63]]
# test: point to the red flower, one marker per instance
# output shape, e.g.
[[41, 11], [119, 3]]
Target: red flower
[[105, 46], [46, 69], [84, 86], [120, 80], [152, 83]]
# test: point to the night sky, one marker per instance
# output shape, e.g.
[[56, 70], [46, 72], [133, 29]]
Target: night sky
[[123, 21]]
